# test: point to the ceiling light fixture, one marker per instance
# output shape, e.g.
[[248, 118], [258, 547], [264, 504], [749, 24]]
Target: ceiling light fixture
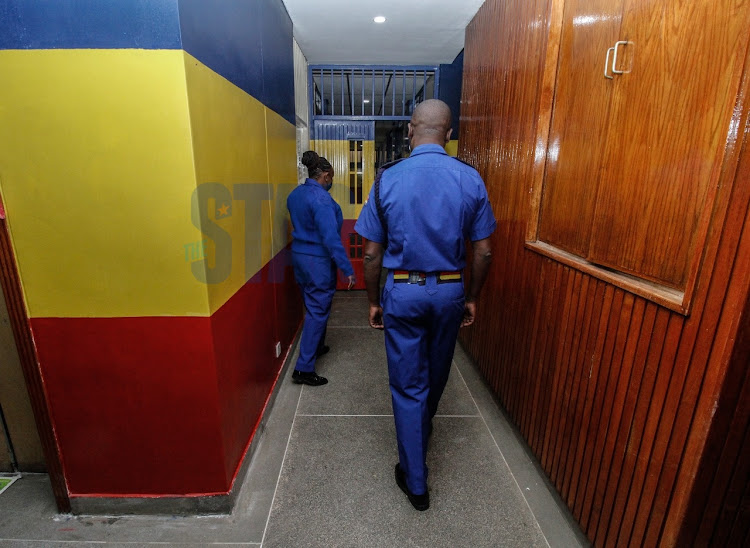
[[379, 19], [365, 100]]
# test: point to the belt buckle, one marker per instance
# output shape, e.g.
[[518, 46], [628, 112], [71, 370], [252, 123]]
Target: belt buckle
[[415, 278]]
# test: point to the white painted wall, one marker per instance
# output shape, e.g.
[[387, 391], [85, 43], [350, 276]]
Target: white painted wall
[[301, 106]]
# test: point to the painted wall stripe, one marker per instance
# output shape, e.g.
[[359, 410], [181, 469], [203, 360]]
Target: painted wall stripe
[[248, 43], [98, 178], [89, 24], [96, 167]]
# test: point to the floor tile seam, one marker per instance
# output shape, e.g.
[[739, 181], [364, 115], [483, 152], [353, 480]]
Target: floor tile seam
[[281, 468], [512, 475], [134, 542], [391, 415], [339, 415]]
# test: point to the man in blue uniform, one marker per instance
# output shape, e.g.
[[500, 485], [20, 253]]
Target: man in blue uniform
[[418, 217], [316, 252]]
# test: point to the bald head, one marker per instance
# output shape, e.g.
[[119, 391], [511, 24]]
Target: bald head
[[430, 123]]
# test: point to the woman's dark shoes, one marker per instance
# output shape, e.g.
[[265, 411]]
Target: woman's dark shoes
[[323, 350], [419, 502], [309, 378]]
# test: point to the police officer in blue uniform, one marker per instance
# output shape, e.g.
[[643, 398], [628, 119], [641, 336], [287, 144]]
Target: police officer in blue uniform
[[316, 253], [417, 219]]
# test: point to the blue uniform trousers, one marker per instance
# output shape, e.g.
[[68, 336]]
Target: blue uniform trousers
[[421, 326], [316, 277]]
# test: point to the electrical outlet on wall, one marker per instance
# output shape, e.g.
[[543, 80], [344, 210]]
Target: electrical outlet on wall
[[278, 349]]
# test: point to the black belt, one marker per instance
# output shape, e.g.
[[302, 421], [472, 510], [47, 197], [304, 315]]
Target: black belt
[[417, 277]]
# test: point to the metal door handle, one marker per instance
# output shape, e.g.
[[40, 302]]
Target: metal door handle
[[614, 61], [606, 64]]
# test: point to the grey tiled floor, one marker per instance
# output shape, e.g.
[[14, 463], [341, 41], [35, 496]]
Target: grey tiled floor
[[323, 472]]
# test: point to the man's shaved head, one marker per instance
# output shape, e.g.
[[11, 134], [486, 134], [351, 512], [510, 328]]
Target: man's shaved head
[[431, 122]]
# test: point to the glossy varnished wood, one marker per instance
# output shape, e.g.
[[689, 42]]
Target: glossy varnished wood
[[667, 127], [614, 391], [579, 124]]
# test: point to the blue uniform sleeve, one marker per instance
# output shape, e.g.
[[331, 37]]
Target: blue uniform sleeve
[[368, 224], [327, 225], [484, 220]]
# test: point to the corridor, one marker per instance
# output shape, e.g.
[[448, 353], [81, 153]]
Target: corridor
[[322, 473]]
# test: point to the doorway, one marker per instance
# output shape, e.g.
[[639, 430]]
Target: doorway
[[20, 446], [23, 434]]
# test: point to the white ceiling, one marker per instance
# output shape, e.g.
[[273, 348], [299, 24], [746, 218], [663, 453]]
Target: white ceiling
[[416, 32]]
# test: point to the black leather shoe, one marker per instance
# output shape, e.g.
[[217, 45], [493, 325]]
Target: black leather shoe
[[323, 350], [419, 502], [309, 378]]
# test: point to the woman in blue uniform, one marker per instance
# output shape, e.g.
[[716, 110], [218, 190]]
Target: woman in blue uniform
[[317, 252]]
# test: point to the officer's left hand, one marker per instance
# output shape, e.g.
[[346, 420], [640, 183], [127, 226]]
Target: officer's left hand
[[470, 312], [376, 317], [352, 281]]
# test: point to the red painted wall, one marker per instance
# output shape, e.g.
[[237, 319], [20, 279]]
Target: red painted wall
[[146, 406], [357, 264]]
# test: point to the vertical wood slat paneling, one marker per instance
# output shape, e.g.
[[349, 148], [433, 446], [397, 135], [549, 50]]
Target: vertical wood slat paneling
[[585, 419], [570, 404], [585, 378], [711, 518], [726, 481], [596, 479], [618, 451], [635, 435], [556, 412], [604, 385]]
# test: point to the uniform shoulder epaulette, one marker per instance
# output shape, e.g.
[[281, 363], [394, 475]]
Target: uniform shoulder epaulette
[[463, 162], [388, 165], [378, 205]]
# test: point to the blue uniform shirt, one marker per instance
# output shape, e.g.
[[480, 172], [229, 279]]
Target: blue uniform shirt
[[432, 204], [317, 222]]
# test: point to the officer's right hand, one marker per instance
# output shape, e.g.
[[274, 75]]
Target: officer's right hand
[[376, 317], [470, 311]]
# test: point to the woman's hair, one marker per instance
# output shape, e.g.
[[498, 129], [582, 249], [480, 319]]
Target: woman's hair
[[315, 164]]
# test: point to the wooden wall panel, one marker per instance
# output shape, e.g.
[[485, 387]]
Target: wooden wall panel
[[579, 127], [614, 394]]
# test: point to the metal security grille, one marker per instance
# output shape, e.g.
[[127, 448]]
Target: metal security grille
[[372, 92], [356, 246], [355, 172]]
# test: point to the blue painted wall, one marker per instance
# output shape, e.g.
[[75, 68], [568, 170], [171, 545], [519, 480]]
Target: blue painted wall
[[278, 59], [451, 81], [89, 24], [248, 42]]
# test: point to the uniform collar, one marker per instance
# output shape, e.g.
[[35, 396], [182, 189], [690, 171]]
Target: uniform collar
[[313, 182], [423, 149]]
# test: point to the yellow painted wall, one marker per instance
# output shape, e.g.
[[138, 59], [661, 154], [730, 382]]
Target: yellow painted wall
[[240, 142], [282, 174], [96, 171], [101, 152], [337, 152], [229, 138]]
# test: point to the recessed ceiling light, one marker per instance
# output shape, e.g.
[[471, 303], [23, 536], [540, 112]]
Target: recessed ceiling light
[[379, 19], [365, 100]]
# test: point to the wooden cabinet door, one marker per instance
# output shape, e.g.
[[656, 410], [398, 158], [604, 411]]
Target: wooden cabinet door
[[668, 124], [579, 123]]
